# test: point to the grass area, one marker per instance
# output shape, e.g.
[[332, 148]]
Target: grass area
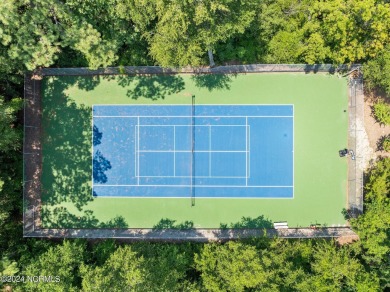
[[320, 129]]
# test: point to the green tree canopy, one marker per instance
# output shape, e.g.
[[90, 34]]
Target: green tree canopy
[[373, 226], [9, 131], [166, 266], [335, 31], [377, 71], [180, 33], [34, 32], [233, 266], [10, 167], [121, 272], [336, 269], [62, 261]]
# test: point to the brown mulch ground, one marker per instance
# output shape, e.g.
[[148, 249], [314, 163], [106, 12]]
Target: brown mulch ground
[[342, 240], [374, 130]]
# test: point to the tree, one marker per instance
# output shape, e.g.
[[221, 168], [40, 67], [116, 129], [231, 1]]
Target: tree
[[374, 224], [61, 263], [10, 167], [10, 133], [336, 31], [377, 71], [180, 33], [386, 143], [8, 267], [281, 31], [382, 112], [377, 185], [121, 272], [288, 264], [233, 266], [336, 269], [111, 18], [166, 266], [34, 32]]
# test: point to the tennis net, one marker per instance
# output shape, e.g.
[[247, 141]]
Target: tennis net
[[193, 150]]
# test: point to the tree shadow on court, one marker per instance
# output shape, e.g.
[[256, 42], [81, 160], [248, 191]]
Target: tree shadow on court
[[171, 224], [97, 136], [153, 87], [87, 83], [60, 217], [100, 166], [249, 222], [213, 81], [168, 228], [67, 133], [318, 67], [247, 228], [99, 162], [67, 170]]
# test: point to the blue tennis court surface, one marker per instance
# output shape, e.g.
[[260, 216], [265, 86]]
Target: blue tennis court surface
[[205, 151]]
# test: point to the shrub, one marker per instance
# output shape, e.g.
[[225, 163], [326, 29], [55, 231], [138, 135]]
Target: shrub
[[386, 144], [377, 72], [382, 112]]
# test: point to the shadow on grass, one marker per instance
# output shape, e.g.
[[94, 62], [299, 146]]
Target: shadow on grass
[[213, 81]]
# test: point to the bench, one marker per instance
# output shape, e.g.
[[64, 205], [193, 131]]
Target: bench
[[280, 225]]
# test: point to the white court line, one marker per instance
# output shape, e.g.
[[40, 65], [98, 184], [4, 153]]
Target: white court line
[[174, 151], [135, 150], [293, 154], [205, 151], [198, 197], [204, 105], [92, 124], [249, 152], [184, 176], [188, 186], [246, 154], [138, 152], [175, 125], [183, 104], [199, 116], [210, 151]]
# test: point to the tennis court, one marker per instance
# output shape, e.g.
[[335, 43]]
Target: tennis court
[[204, 151], [193, 151]]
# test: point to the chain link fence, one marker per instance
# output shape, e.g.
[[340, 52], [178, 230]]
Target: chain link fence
[[32, 149], [232, 69], [32, 157]]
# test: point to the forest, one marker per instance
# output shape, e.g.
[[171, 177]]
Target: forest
[[180, 33]]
